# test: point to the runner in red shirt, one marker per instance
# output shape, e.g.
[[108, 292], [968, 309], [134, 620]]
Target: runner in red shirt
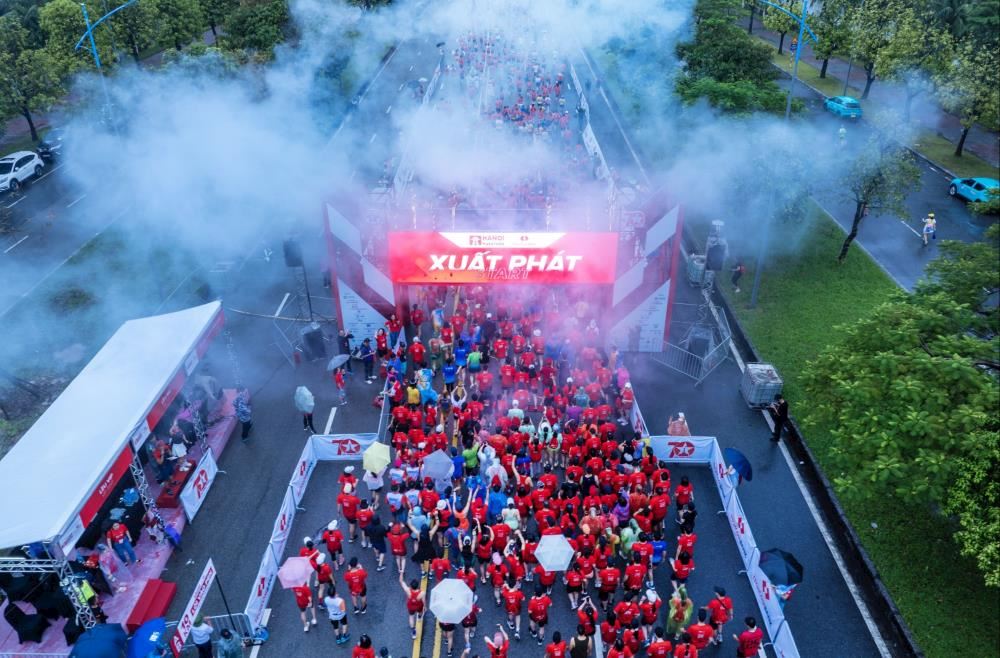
[[701, 633], [749, 640], [418, 353], [356, 578], [334, 539], [365, 516], [513, 598], [608, 577], [557, 647], [720, 611], [303, 599], [538, 613], [499, 645], [684, 648], [500, 349], [324, 577], [441, 567], [684, 493], [397, 537], [364, 648], [660, 647], [507, 374], [414, 603], [417, 318], [682, 566]]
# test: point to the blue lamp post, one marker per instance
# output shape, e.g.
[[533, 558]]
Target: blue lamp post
[[89, 36]]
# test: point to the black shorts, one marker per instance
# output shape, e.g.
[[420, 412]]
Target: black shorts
[[469, 624], [574, 588], [484, 560], [604, 596], [543, 622], [364, 592], [337, 623], [446, 628]]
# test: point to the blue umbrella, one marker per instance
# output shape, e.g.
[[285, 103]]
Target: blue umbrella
[[739, 462], [100, 641], [147, 639]]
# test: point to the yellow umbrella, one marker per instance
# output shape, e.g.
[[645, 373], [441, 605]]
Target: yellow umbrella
[[375, 457]]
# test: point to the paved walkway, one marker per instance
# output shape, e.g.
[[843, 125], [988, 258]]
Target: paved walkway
[[926, 113]]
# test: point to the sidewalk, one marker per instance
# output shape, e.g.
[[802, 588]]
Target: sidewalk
[[981, 142]]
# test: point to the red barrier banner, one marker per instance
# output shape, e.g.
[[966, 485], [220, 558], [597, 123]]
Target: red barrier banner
[[450, 257]]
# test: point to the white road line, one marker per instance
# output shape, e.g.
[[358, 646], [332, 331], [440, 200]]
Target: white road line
[[82, 197], [862, 246], [50, 171], [362, 97], [401, 85], [282, 304], [851, 586], [374, 135], [411, 68], [388, 109], [10, 248], [353, 174], [19, 200], [329, 420], [912, 230]]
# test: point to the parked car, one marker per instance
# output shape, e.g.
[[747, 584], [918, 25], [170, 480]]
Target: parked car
[[844, 106], [15, 168], [974, 189], [52, 144]]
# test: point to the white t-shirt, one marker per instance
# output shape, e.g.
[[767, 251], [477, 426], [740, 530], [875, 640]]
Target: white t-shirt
[[335, 607], [201, 634]]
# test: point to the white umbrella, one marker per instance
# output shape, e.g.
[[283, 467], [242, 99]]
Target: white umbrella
[[451, 600], [554, 553], [304, 400], [437, 466]]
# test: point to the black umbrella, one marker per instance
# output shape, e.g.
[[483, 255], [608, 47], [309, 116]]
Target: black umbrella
[[781, 567]]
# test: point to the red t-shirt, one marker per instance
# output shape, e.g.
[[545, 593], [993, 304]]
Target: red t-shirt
[[701, 635], [117, 535], [358, 652], [417, 352], [500, 651], [447, 336], [682, 570], [659, 649], [334, 540], [440, 566], [635, 574], [538, 607], [512, 598], [721, 609], [356, 579], [397, 542], [750, 641], [365, 517], [417, 317], [507, 373], [303, 596], [500, 349], [685, 651], [556, 650], [610, 578], [349, 504]]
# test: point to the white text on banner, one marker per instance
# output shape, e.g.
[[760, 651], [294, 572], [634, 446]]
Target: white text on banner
[[192, 609], [334, 447], [196, 490]]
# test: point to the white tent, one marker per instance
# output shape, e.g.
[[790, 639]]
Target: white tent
[[49, 474]]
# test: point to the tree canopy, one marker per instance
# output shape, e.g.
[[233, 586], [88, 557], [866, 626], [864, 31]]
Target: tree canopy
[[913, 394]]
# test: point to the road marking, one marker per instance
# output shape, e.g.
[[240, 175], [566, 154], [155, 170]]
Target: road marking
[[388, 109], [411, 68], [50, 171], [10, 248], [401, 85], [420, 623], [329, 421], [282, 304], [374, 135], [851, 586], [82, 197], [353, 173], [912, 230], [362, 97], [19, 200]]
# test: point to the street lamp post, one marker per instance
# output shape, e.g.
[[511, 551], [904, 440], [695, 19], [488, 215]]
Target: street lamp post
[[89, 36], [803, 28]]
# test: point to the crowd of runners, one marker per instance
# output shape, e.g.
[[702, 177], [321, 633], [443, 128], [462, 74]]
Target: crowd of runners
[[534, 411]]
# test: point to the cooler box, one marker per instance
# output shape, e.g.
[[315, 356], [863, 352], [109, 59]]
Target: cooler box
[[760, 383]]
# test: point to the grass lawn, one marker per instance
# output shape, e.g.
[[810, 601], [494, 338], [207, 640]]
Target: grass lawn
[[934, 147], [24, 143], [950, 610]]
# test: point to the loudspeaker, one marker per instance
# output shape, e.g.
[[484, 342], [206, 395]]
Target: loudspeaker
[[313, 345], [293, 253], [715, 257]]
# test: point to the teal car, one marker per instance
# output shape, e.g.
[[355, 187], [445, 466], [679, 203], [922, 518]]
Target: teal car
[[843, 106], [974, 189]]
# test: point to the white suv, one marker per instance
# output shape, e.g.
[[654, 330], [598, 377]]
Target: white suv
[[18, 167]]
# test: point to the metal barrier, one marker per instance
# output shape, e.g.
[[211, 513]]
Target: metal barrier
[[238, 624], [709, 329]]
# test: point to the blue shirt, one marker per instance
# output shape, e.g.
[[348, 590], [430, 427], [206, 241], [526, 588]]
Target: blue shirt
[[449, 371], [460, 354], [497, 501], [659, 548], [459, 463]]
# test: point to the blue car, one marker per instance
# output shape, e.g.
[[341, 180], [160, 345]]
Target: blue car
[[844, 106], [974, 189]]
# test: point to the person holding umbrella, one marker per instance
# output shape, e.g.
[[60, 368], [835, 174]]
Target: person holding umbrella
[[305, 402]]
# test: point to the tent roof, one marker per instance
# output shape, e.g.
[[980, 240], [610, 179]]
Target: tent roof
[[51, 471]]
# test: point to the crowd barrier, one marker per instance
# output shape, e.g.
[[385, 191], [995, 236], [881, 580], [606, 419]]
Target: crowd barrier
[[318, 447], [705, 450]]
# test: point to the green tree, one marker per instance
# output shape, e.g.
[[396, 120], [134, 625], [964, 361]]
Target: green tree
[[975, 501], [136, 26], [952, 16], [217, 11], [780, 22], [26, 12], [832, 26], [256, 28], [968, 89], [984, 22], [879, 179], [882, 31], [989, 207], [29, 77], [917, 58], [179, 22], [63, 25]]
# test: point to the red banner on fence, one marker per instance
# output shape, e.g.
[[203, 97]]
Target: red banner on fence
[[449, 257]]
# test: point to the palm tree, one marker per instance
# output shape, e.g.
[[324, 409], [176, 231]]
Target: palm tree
[[953, 15]]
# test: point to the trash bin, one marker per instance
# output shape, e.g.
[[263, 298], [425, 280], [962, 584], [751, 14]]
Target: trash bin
[[759, 384]]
